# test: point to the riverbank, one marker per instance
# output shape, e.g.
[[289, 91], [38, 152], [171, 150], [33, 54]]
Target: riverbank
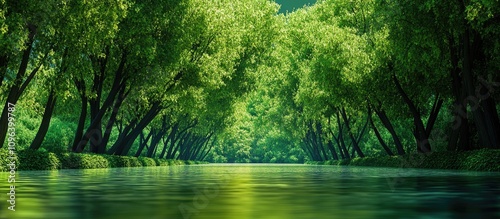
[[43, 160], [478, 160]]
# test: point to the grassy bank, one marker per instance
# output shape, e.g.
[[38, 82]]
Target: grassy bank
[[43, 160], [479, 160]]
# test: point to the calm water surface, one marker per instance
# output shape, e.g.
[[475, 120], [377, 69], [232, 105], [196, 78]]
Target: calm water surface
[[252, 191]]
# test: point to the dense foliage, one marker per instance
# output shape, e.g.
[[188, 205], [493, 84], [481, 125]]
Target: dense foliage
[[477, 160], [235, 81]]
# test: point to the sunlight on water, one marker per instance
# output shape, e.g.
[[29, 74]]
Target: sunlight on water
[[248, 191]]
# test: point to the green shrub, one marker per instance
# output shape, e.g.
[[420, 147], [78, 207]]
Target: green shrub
[[487, 160], [189, 162], [123, 161], [161, 162], [344, 162], [83, 161], [175, 162], [91, 161], [5, 159], [134, 162], [27, 124], [478, 160], [70, 160], [59, 136], [43, 160], [147, 162], [117, 161], [38, 160]]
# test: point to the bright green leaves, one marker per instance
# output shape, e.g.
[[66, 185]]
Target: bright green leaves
[[3, 25], [330, 56], [480, 11]]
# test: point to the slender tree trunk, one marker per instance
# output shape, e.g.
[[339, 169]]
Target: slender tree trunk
[[339, 146], [94, 126], [125, 145], [203, 143], [363, 130], [123, 132], [209, 149], [330, 143], [112, 119], [175, 145], [423, 144], [170, 139], [80, 85], [344, 151], [44, 126], [4, 61], [306, 147], [178, 135], [155, 140], [436, 107], [388, 125], [157, 137], [50, 105], [379, 138], [354, 143], [319, 130], [332, 150], [97, 132], [183, 145], [309, 139], [16, 89], [143, 143]]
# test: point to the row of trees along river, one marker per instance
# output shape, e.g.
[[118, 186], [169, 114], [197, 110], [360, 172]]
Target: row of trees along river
[[236, 81]]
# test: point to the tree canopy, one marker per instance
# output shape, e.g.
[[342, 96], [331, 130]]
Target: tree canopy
[[236, 81]]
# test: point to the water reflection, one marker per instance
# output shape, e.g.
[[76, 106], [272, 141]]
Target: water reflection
[[253, 191]]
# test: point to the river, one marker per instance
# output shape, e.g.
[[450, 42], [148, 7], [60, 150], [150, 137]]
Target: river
[[252, 191]]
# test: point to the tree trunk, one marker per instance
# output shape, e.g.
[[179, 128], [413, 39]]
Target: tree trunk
[[155, 140], [483, 108], [354, 143], [209, 149], [459, 134], [170, 139], [143, 143], [388, 125], [44, 126], [123, 132], [363, 130], [4, 61], [179, 135], [94, 126], [330, 143], [80, 85], [423, 144], [16, 91], [125, 145], [204, 143], [436, 107], [379, 138], [112, 119], [344, 151], [332, 150]]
